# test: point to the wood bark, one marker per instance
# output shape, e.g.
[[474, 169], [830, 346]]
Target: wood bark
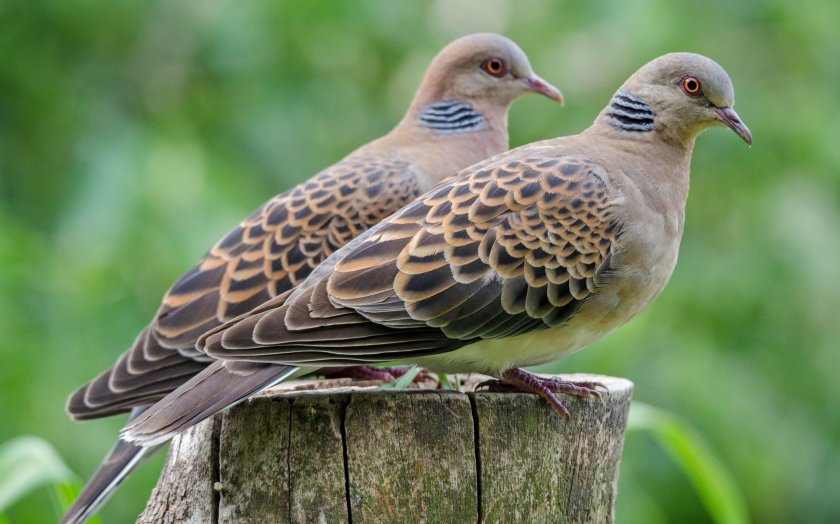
[[373, 455]]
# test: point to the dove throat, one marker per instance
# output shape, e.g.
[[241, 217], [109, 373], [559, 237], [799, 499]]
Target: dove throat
[[630, 113]]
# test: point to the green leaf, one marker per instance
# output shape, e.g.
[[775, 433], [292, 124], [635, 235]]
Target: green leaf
[[690, 451], [28, 463], [405, 380]]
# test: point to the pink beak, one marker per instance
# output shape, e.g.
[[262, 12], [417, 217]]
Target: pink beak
[[538, 85], [729, 117]]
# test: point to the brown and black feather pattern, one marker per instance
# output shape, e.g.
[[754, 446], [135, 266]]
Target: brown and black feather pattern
[[269, 253], [507, 247]]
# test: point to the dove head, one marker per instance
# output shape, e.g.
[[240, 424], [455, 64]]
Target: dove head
[[679, 95], [485, 70]]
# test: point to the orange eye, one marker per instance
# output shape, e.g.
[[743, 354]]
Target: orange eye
[[691, 86], [495, 66]]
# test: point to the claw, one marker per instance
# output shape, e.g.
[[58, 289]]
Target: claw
[[516, 379], [579, 389], [496, 385]]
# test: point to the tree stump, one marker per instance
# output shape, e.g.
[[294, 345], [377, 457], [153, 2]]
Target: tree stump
[[357, 453]]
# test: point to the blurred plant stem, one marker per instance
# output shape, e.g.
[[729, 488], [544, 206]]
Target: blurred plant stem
[[690, 451]]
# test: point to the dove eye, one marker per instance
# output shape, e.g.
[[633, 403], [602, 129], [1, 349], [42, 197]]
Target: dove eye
[[691, 86], [495, 67]]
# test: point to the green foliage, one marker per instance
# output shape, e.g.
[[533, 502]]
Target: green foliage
[[709, 476], [403, 381], [133, 134], [29, 463], [451, 385]]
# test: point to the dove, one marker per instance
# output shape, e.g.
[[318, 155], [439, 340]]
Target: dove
[[518, 260], [457, 117]]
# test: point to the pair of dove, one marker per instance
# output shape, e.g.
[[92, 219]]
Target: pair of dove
[[403, 252]]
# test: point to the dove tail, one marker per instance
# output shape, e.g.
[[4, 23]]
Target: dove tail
[[219, 387], [123, 458]]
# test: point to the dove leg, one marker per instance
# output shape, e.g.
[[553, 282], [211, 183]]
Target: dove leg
[[363, 372], [517, 379]]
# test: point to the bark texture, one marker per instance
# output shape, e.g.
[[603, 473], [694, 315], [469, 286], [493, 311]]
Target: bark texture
[[360, 454]]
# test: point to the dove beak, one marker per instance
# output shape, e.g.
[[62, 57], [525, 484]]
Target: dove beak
[[538, 85], [728, 116]]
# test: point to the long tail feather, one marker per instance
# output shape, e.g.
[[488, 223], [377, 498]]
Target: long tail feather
[[123, 458], [215, 389]]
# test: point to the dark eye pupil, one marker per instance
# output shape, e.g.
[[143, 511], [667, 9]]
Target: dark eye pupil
[[494, 66]]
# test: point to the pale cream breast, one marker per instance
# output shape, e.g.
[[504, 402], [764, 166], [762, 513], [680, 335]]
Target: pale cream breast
[[643, 263]]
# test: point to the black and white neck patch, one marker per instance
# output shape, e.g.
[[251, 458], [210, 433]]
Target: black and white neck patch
[[450, 116], [630, 113]]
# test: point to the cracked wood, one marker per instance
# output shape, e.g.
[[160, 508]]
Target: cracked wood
[[373, 455]]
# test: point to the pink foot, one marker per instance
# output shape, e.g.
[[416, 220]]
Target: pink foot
[[386, 374], [516, 379]]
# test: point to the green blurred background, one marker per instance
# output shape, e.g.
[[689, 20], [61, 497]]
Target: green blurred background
[[133, 134]]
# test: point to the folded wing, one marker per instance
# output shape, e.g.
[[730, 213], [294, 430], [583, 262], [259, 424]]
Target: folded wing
[[508, 247], [267, 254]]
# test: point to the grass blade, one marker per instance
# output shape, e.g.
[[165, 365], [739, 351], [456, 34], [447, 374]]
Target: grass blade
[[28, 463], [405, 380], [690, 451]]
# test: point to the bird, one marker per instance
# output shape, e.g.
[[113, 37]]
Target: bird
[[516, 261], [458, 116]]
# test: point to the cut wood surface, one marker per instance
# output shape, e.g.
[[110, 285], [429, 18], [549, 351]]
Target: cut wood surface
[[348, 451]]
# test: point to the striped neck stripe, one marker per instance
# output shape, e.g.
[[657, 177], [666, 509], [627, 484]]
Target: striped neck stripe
[[630, 113], [450, 116]]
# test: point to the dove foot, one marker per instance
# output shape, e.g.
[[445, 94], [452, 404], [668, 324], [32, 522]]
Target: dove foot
[[516, 379], [363, 372]]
